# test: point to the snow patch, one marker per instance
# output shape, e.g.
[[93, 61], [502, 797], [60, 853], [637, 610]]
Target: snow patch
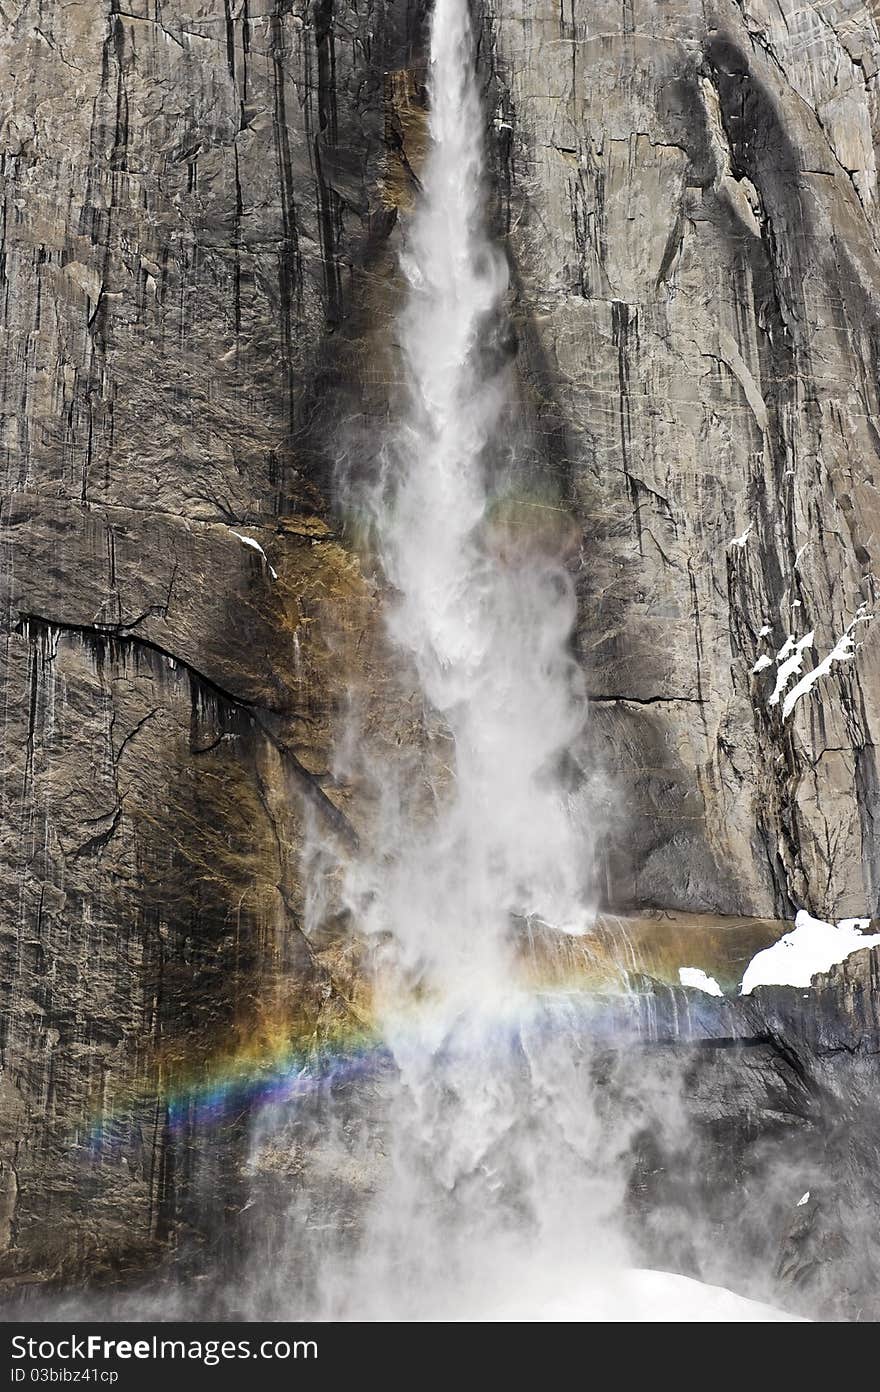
[[255, 546], [740, 541], [811, 947], [804, 1198], [699, 981], [841, 652], [791, 659]]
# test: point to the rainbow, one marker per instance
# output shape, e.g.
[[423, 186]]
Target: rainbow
[[239, 1085], [293, 1064], [299, 1074], [580, 984]]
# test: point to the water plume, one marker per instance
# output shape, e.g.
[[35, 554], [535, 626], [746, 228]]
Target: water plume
[[486, 622], [489, 1132]]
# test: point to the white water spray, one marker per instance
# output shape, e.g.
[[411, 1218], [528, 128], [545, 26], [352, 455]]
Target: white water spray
[[486, 620], [489, 1103]]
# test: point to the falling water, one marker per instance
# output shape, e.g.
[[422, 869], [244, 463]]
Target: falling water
[[486, 618], [476, 1172], [491, 1103]]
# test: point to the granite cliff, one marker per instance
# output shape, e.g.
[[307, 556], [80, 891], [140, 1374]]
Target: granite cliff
[[201, 209]]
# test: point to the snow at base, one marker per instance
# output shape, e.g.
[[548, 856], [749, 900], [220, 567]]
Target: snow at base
[[811, 947], [699, 981], [631, 1297]]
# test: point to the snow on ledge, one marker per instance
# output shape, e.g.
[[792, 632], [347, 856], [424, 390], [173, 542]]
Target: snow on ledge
[[741, 540], [569, 1295], [699, 981], [811, 947], [841, 652], [255, 546], [790, 659]]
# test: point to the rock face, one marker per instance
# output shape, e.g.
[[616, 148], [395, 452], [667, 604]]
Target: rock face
[[755, 1158], [198, 275], [690, 196], [191, 194]]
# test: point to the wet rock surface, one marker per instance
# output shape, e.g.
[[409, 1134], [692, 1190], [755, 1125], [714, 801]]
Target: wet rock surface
[[738, 1139], [191, 199], [755, 1159]]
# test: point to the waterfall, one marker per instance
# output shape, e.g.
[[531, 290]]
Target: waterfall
[[491, 1102], [484, 616]]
